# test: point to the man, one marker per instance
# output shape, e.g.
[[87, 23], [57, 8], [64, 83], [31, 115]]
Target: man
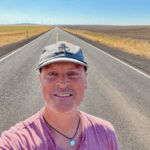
[[60, 125]]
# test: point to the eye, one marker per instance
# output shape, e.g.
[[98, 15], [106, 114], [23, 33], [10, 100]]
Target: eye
[[72, 73], [53, 73]]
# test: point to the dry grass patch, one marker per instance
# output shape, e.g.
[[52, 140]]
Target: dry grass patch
[[13, 34], [138, 47]]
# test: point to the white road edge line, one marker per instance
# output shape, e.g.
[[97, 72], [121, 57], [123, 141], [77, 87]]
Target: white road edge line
[[21, 48], [116, 59]]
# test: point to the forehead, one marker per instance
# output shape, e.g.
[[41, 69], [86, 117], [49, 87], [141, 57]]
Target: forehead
[[64, 65]]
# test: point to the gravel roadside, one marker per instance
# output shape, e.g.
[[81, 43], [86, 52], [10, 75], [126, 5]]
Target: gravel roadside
[[136, 61]]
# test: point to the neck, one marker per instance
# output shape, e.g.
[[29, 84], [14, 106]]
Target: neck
[[65, 123]]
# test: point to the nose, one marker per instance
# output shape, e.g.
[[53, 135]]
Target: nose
[[63, 81]]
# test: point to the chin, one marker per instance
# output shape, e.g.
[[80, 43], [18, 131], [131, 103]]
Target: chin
[[61, 110]]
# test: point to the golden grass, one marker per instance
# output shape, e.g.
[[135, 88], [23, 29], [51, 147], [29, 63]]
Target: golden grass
[[134, 46], [13, 36]]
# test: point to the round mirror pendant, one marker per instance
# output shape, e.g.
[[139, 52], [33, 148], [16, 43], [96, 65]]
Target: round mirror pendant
[[72, 143]]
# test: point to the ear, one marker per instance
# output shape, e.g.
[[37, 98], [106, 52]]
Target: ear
[[39, 78], [86, 81]]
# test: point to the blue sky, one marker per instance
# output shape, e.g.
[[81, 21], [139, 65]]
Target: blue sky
[[96, 12]]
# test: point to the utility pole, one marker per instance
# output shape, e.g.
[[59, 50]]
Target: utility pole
[[27, 34]]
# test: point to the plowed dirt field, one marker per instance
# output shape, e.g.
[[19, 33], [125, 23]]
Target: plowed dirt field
[[134, 32]]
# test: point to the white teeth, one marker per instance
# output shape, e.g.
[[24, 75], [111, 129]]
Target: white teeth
[[64, 95]]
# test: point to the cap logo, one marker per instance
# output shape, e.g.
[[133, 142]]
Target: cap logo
[[62, 48]]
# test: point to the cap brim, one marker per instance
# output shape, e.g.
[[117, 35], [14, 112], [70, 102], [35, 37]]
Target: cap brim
[[63, 59]]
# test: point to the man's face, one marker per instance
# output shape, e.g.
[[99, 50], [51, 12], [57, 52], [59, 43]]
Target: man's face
[[63, 85]]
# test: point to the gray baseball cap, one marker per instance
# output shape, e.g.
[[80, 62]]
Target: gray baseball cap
[[62, 52]]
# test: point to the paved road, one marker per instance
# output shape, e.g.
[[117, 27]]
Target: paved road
[[115, 92]]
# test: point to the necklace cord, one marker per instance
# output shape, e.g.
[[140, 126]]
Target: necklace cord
[[58, 131]]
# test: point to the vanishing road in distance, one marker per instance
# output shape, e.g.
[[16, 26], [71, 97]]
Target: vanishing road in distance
[[116, 92]]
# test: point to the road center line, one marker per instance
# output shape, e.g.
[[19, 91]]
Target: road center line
[[56, 37]]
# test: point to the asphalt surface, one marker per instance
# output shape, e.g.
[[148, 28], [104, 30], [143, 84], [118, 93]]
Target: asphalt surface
[[116, 92]]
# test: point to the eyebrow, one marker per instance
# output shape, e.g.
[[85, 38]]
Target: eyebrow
[[76, 66]]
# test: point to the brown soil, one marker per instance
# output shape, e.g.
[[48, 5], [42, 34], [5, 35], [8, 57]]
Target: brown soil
[[134, 32]]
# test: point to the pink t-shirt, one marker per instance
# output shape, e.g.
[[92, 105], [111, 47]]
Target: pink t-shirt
[[34, 134]]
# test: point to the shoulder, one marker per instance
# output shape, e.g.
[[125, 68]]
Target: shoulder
[[23, 125], [100, 130], [96, 121], [100, 127], [22, 133]]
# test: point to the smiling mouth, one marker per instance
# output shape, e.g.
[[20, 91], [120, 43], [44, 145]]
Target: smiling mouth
[[63, 95]]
